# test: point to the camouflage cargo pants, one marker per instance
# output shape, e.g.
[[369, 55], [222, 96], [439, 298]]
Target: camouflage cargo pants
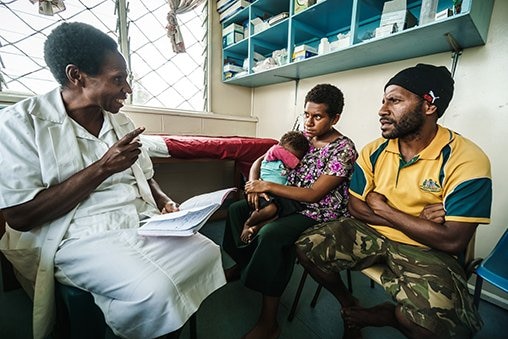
[[429, 285]]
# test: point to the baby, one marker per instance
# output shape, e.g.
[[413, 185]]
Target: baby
[[278, 160]]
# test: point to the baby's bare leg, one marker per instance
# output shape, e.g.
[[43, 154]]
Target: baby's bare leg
[[262, 216], [257, 220]]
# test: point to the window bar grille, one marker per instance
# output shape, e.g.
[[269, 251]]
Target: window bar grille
[[122, 27]]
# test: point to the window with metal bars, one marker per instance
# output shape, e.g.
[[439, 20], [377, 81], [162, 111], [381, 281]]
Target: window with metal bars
[[160, 78]]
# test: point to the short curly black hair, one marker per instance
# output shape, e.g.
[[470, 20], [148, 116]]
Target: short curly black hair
[[329, 95], [297, 140], [79, 44]]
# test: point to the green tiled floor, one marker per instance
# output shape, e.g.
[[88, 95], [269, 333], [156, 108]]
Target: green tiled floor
[[232, 310]]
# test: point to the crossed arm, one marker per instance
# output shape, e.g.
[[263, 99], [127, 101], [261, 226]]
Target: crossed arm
[[429, 228]]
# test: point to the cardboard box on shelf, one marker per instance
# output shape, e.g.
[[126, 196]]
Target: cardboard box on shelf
[[385, 30], [222, 5], [235, 7], [231, 38], [444, 14], [259, 25], [279, 17], [300, 5], [233, 68], [395, 12], [302, 52], [232, 28], [343, 41]]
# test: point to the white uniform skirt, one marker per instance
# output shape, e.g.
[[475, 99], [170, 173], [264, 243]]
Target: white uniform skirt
[[145, 286]]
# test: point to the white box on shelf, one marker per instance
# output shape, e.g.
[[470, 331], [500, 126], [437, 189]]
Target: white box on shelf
[[444, 14], [303, 51], [304, 47], [258, 25], [232, 28], [343, 41], [231, 38], [279, 17], [385, 30], [395, 12], [233, 68], [235, 7], [222, 5]]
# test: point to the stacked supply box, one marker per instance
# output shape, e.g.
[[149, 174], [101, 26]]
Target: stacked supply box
[[230, 8], [395, 18], [232, 34], [303, 52]]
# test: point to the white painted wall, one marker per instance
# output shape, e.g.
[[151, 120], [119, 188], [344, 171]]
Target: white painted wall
[[479, 109]]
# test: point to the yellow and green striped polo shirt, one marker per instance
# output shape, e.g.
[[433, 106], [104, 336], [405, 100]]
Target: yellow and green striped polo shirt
[[451, 170]]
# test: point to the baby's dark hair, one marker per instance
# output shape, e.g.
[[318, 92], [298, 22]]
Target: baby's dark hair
[[297, 140], [329, 95], [79, 44]]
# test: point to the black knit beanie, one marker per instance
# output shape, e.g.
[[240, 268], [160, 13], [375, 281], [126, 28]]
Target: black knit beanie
[[433, 83]]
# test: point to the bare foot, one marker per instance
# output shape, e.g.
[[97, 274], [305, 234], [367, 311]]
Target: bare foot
[[262, 331], [248, 233], [351, 331], [378, 316]]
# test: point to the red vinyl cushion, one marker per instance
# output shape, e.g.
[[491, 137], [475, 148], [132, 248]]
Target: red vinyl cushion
[[244, 150]]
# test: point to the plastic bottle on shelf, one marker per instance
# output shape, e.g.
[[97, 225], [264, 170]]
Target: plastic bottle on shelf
[[324, 46]]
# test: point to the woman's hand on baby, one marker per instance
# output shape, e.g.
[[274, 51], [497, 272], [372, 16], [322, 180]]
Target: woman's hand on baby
[[256, 186]]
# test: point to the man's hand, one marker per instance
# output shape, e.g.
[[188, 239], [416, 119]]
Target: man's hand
[[123, 153], [376, 201], [434, 213]]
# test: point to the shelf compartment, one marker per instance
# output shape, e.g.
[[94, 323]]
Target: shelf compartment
[[468, 29], [324, 19]]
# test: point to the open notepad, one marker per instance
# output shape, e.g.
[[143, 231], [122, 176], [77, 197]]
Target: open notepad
[[192, 215]]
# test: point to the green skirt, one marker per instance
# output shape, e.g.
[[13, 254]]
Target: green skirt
[[268, 260]]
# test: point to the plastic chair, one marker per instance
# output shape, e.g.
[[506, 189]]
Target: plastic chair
[[493, 269]]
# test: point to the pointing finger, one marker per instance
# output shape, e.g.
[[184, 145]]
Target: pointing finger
[[131, 135]]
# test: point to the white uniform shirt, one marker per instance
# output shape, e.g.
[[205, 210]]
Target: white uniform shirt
[[39, 149], [116, 203]]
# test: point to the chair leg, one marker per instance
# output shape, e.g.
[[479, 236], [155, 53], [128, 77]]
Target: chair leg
[[193, 327], [297, 295], [477, 291], [316, 295], [349, 283], [320, 287]]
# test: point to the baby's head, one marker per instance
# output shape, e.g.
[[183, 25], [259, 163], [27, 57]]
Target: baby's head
[[295, 142]]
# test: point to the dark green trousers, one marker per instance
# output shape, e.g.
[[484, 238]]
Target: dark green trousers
[[267, 262]]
